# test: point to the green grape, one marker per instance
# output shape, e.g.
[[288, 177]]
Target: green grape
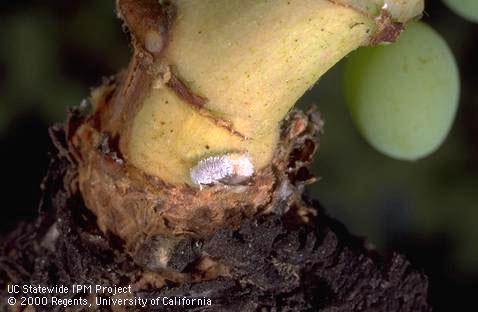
[[467, 9], [403, 97]]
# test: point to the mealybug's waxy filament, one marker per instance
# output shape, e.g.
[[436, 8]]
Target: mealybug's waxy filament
[[231, 168]]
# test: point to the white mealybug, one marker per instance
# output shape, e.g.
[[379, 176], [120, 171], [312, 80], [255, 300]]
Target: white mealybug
[[230, 168]]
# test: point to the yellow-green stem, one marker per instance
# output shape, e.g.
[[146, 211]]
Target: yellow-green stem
[[229, 71]]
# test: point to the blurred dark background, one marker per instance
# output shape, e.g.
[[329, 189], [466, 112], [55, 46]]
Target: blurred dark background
[[52, 52]]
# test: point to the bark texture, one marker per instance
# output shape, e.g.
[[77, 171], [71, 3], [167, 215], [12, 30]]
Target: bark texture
[[294, 258], [259, 245]]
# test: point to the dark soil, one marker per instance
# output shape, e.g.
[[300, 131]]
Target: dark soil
[[274, 266]]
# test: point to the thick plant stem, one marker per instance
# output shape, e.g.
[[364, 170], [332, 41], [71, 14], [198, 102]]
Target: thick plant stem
[[209, 85], [213, 77], [202, 101]]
